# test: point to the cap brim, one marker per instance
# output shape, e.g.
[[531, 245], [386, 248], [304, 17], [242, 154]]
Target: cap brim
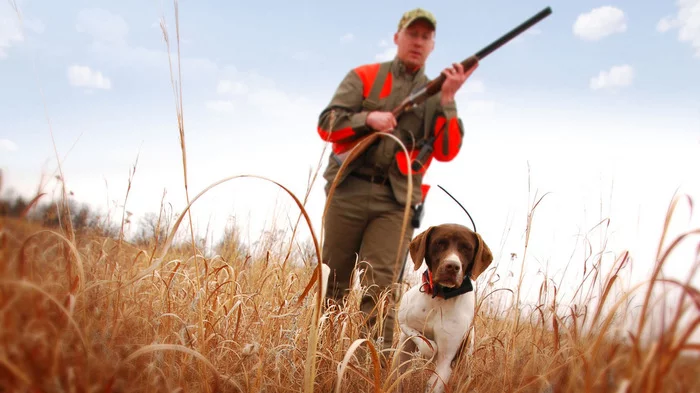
[[411, 21]]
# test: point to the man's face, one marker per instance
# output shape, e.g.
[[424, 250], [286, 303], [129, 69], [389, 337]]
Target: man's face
[[415, 43]]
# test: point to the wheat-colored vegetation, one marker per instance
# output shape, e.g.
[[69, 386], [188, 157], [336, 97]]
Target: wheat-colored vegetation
[[83, 309]]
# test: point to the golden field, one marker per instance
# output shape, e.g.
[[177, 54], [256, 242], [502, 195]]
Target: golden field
[[85, 311]]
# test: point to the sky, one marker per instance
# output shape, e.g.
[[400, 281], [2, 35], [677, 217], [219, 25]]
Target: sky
[[596, 108]]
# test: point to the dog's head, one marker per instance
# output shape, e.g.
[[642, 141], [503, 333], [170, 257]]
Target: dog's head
[[451, 251]]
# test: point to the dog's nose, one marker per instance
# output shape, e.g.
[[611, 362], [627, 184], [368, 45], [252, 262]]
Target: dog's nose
[[452, 266]]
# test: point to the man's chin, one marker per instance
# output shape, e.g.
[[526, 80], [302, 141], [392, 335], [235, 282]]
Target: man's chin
[[413, 62]]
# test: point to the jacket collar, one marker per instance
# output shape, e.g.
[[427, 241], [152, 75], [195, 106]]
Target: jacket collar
[[401, 70]]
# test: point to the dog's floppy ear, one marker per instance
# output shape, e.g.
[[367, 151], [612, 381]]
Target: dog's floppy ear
[[417, 248], [483, 258]]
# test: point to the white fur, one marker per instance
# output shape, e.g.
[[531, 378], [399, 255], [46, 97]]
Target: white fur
[[445, 323], [453, 257]]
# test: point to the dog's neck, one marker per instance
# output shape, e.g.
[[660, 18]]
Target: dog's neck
[[437, 290]]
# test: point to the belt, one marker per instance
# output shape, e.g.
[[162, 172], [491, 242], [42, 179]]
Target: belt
[[376, 179]]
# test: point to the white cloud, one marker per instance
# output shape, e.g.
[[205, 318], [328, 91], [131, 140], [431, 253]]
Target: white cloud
[[349, 37], [386, 55], [473, 86], [474, 106], [599, 23], [387, 42], [11, 30], [231, 87], [109, 41], [533, 31], [389, 51], [8, 145], [480, 107], [83, 76], [220, 106], [35, 25], [10, 35], [102, 25], [303, 55], [469, 88], [615, 77], [252, 94], [666, 23], [280, 104], [687, 21]]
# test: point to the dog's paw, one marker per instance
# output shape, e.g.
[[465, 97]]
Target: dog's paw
[[426, 347]]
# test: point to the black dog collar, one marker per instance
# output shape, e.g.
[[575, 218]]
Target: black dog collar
[[437, 290]]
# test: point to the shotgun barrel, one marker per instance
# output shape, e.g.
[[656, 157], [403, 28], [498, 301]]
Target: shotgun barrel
[[434, 86]]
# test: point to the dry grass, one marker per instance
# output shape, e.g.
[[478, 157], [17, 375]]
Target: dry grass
[[85, 313], [95, 314]]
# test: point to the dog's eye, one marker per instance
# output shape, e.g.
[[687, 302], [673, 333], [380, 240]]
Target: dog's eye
[[442, 243]]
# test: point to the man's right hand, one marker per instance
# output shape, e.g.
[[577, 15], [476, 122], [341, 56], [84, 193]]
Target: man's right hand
[[381, 121]]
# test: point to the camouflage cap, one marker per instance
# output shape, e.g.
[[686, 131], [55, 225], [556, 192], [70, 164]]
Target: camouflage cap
[[415, 14]]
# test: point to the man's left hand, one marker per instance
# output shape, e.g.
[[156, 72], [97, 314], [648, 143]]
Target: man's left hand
[[455, 77]]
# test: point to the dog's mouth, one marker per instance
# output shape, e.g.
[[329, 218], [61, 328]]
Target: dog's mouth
[[447, 280]]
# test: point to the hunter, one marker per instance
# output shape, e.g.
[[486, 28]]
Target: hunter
[[365, 216]]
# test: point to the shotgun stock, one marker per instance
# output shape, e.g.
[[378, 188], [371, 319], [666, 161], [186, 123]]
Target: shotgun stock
[[433, 87]]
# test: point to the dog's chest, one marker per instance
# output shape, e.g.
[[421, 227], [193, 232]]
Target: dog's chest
[[437, 316]]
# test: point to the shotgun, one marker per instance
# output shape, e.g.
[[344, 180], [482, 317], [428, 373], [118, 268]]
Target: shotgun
[[433, 87]]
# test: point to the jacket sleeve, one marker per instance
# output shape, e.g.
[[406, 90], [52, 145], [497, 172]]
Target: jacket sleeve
[[349, 116], [449, 141]]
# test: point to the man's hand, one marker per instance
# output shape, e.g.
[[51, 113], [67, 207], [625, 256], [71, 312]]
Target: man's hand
[[455, 77], [381, 121]]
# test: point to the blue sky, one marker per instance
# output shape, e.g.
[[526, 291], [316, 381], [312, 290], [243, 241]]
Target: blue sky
[[617, 79]]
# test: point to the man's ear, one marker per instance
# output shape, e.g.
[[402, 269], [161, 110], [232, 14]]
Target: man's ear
[[483, 258], [418, 246]]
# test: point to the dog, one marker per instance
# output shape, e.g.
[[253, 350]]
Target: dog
[[441, 308]]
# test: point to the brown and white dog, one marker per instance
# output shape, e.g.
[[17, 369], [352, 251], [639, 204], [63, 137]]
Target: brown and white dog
[[441, 308]]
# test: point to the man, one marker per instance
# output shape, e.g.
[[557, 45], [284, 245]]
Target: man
[[366, 213]]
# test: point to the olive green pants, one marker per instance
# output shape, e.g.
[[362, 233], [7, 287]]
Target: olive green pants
[[363, 225]]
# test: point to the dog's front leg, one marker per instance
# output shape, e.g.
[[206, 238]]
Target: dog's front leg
[[443, 372], [447, 347]]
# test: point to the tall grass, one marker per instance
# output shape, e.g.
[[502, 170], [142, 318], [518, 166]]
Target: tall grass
[[83, 313], [91, 315]]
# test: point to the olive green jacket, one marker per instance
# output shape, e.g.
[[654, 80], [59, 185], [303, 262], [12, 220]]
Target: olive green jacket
[[357, 95]]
